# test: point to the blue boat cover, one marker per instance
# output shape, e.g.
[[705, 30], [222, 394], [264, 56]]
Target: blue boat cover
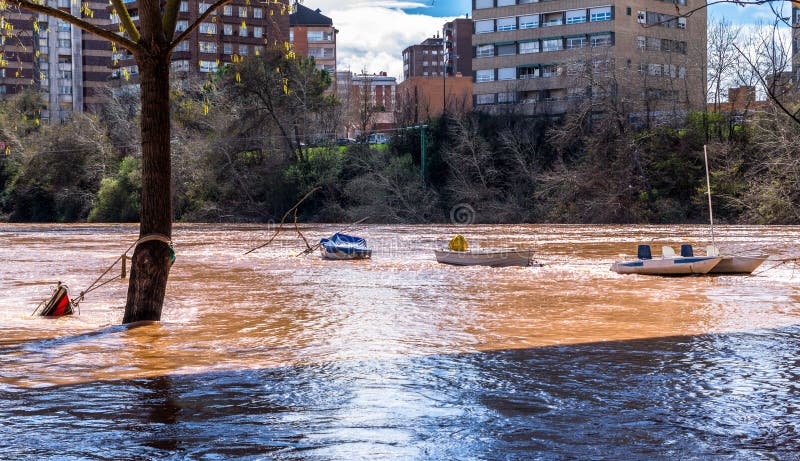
[[344, 243]]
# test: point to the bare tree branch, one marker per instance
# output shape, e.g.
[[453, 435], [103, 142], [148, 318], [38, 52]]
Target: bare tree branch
[[125, 19], [199, 21], [77, 22]]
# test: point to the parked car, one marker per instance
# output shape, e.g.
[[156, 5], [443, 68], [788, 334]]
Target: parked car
[[377, 138], [345, 141]]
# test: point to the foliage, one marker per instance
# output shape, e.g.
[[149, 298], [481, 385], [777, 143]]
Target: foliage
[[119, 196]]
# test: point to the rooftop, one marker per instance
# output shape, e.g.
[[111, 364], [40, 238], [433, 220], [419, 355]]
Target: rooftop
[[304, 16]]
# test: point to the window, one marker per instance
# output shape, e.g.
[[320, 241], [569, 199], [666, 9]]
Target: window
[[641, 17], [601, 40], [552, 45], [258, 32], [208, 47], [654, 69], [291, 36], [244, 50], [628, 11], [208, 66], [483, 99], [258, 13], [505, 98], [227, 10], [182, 46], [504, 24], [681, 23], [227, 29], [553, 19], [641, 42], [529, 22], [64, 26], [319, 36], [203, 7], [227, 48], [551, 70], [576, 16], [576, 68], [528, 72], [181, 25], [64, 43], [208, 28], [528, 47], [480, 4], [258, 50], [576, 42], [242, 11], [243, 30], [483, 51], [507, 73], [180, 65], [600, 14], [506, 2], [486, 75], [184, 8], [506, 49], [482, 27]]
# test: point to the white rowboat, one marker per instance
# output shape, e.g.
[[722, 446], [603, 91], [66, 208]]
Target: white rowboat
[[493, 258]]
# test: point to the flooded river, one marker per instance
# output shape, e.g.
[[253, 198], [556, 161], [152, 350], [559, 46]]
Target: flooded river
[[272, 356]]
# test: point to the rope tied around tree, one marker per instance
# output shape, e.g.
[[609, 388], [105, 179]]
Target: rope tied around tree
[[97, 284]]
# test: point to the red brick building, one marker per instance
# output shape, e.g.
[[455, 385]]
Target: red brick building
[[312, 34], [239, 29]]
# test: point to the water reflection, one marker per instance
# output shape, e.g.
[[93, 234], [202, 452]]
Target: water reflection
[[698, 397]]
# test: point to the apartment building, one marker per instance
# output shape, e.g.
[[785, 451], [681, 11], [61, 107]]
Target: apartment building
[[67, 65], [380, 88], [237, 30], [457, 36], [312, 34], [544, 56], [425, 59]]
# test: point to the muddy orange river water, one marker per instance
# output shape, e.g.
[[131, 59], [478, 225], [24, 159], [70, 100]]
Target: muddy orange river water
[[270, 355]]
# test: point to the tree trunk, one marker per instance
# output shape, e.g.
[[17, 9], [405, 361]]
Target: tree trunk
[[151, 260]]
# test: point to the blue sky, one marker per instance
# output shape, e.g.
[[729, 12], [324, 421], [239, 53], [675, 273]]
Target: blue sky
[[443, 8]]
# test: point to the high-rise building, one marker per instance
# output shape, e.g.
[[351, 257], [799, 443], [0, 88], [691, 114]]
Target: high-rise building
[[239, 29], [457, 36], [312, 34], [425, 59], [67, 65], [545, 56]]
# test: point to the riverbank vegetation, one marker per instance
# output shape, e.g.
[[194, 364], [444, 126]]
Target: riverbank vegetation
[[245, 149]]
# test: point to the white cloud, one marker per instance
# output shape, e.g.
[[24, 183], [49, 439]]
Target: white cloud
[[374, 33]]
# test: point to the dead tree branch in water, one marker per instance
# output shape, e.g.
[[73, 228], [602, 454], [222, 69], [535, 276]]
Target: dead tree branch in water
[[283, 221]]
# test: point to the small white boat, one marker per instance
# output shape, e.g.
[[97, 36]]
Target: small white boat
[[669, 264], [493, 258]]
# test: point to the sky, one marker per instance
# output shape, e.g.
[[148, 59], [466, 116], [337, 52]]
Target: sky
[[374, 33]]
